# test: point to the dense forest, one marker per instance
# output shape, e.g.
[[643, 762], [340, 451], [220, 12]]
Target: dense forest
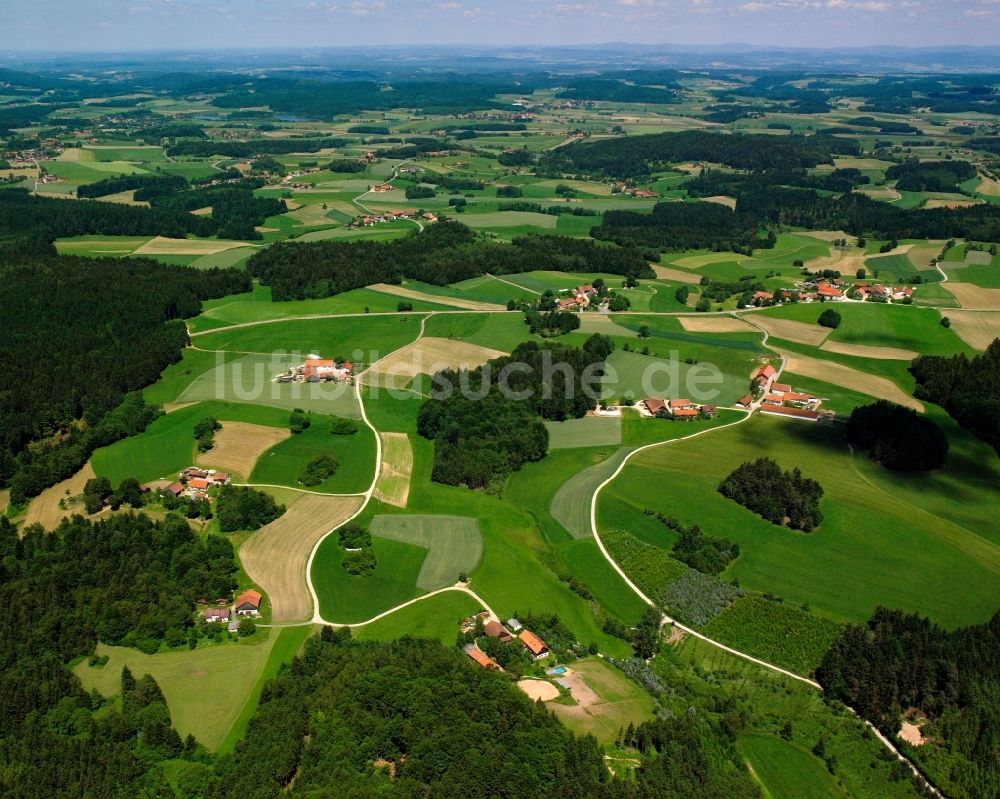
[[682, 226], [446, 252], [897, 662], [487, 423], [897, 437], [783, 498], [442, 727], [930, 175], [106, 327], [125, 580], [636, 156], [969, 389]]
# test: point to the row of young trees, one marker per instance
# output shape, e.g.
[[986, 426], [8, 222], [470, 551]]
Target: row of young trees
[[443, 253]]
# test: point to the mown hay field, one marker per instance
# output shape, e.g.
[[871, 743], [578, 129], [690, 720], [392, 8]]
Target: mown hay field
[[275, 556]]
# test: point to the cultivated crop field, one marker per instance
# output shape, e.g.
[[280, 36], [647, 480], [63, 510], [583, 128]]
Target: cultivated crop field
[[428, 355], [397, 465]]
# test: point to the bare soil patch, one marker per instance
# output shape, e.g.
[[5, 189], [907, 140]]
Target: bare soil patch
[[975, 328], [942, 203], [44, 509], [802, 332], [584, 695], [910, 733], [840, 375], [538, 689], [393, 486], [275, 556], [969, 295], [457, 302], [429, 355], [206, 211], [238, 445], [160, 245], [721, 199], [668, 273], [869, 351], [714, 324]]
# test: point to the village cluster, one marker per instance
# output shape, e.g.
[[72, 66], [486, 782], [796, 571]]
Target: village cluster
[[194, 482], [504, 633], [620, 187], [317, 370]]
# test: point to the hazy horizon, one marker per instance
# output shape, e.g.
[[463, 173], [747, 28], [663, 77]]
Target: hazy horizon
[[172, 25]]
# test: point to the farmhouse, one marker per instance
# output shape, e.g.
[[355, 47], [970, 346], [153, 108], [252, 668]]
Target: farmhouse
[[682, 409], [746, 401], [827, 292], [381, 188], [317, 370], [248, 603], [495, 629], [765, 376], [654, 405], [216, 615], [535, 645], [481, 657], [176, 489]]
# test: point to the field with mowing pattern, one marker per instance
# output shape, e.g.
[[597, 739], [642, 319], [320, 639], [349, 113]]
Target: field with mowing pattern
[[275, 556], [590, 431], [453, 543], [977, 329], [397, 467], [238, 445]]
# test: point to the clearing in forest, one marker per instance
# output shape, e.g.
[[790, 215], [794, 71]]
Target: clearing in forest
[[457, 302], [969, 295], [44, 509], [721, 199], [845, 376], [160, 245], [975, 328], [715, 324], [238, 445], [426, 356], [869, 351], [275, 556], [454, 544], [205, 689], [397, 466], [788, 329]]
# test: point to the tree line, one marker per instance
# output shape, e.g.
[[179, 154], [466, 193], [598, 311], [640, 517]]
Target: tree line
[[897, 437], [80, 334], [443, 253], [969, 389]]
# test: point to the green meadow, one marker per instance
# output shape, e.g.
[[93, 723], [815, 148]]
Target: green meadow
[[437, 617], [454, 544], [918, 542], [281, 464], [168, 444]]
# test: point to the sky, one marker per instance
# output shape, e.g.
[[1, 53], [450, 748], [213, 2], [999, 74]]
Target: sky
[[126, 25]]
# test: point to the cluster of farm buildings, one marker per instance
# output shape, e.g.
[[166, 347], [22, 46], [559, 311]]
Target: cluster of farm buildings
[[247, 605], [779, 399], [367, 220], [504, 633], [194, 482], [317, 370], [620, 187], [675, 409], [834, 290]]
